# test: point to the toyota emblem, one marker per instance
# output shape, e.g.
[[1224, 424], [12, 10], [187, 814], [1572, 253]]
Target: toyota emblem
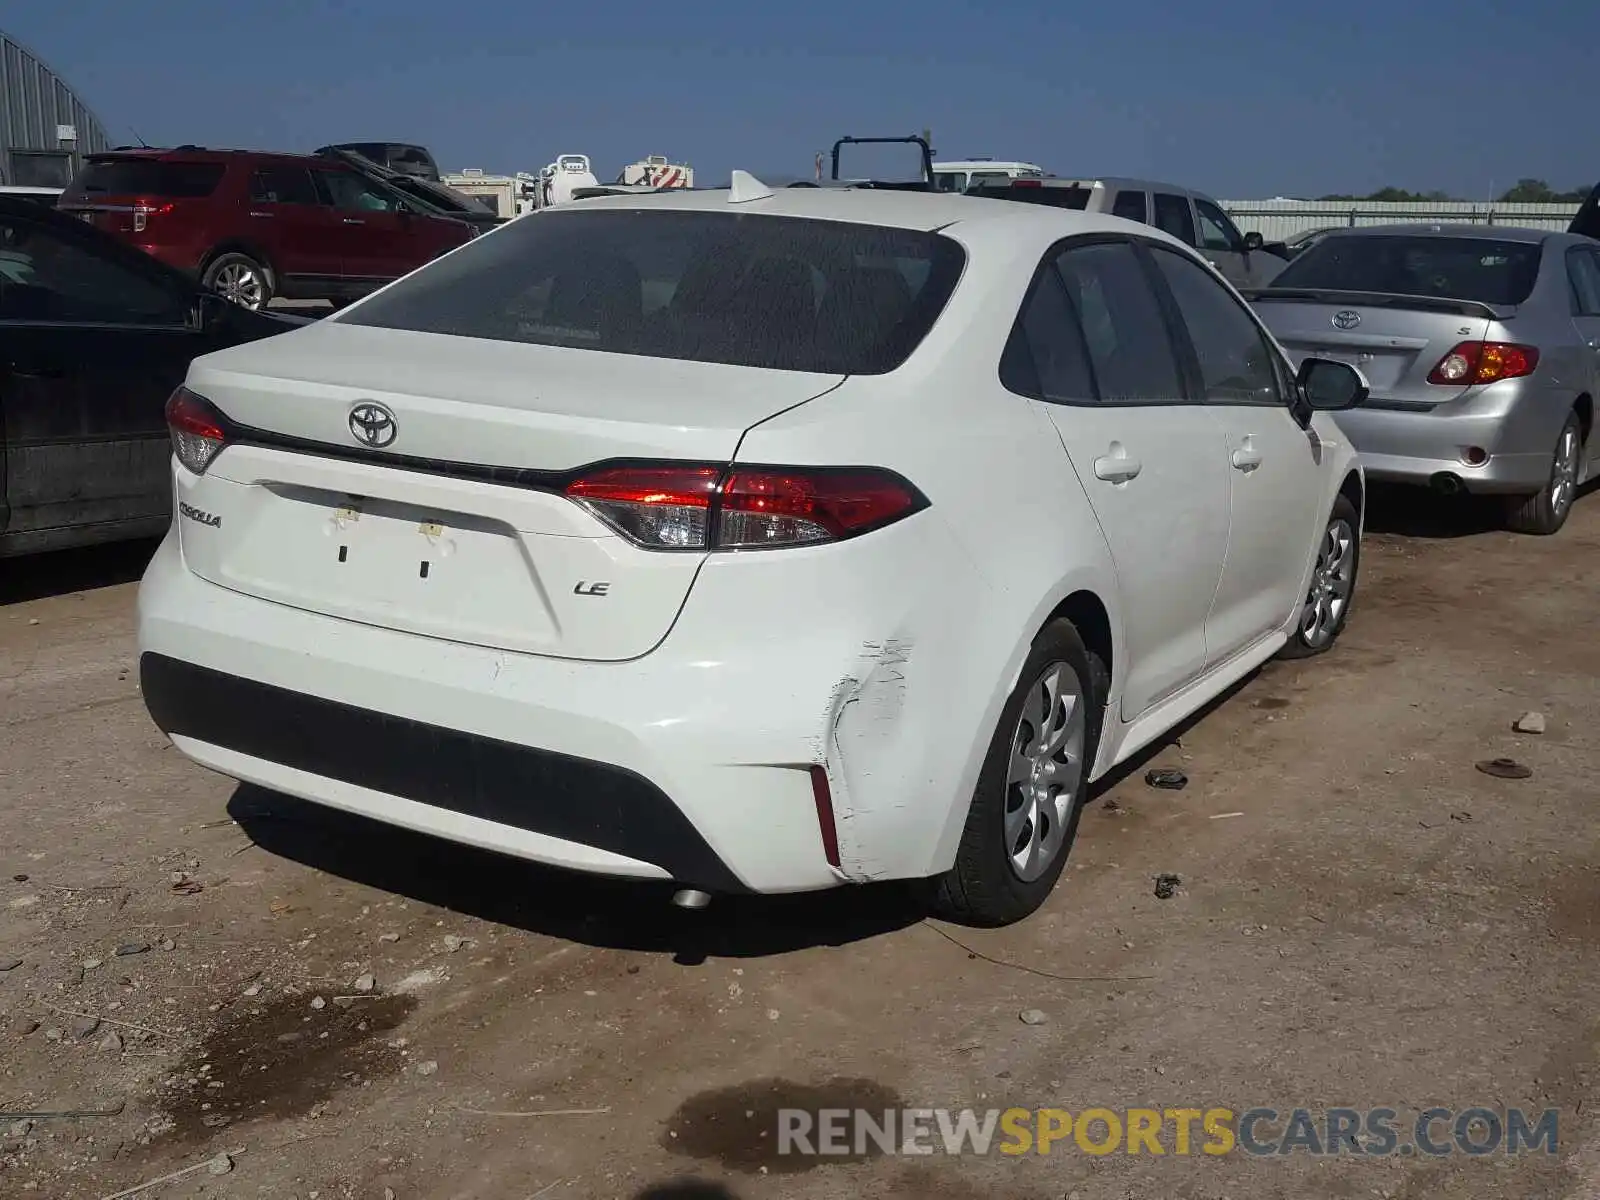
[[372, 425], [1346, 319]]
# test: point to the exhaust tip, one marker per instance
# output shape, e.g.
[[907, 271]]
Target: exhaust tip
[[1445, 483], [691, 898]]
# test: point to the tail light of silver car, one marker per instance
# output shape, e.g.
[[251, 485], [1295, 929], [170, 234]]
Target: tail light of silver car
[[1472, 363], [697, 506], [197, 429]]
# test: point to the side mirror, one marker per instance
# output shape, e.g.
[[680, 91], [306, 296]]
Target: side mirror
[[1330, 386], [1253, 241]]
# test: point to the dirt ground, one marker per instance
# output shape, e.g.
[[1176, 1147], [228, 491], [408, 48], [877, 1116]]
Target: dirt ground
[[1363, 919]]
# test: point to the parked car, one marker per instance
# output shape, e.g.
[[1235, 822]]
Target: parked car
[[1587, 220], [403, 157], [93, 338], [1482, 346], [435, 199], [1194, 219], [710, 537], [255, 226]]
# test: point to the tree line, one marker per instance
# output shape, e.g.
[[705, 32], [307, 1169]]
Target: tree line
[[1524, 191]]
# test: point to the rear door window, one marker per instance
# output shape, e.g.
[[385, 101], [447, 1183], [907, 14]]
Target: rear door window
[[1583, 270], [747, 290], [1130, 347], [1131, 206], [148, 177], [283, 185], [1174, 216], [1236, 364]]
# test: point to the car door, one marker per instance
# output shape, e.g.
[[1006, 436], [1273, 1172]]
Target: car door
[[1174, 216], [1273, 464], [1093, 348], [301, 234], [91, 345], [1583, 270], [1132, 206], [375, 239], [1221, 243]]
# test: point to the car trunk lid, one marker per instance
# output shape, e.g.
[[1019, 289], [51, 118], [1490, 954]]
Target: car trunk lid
[[456, 527], [1395, 341]]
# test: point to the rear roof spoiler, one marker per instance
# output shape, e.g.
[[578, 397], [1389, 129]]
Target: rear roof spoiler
[[1445, 304]]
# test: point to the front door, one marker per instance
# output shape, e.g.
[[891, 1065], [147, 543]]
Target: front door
[[1273, 464], [375, 238], [1149, 461], [1221, 243], [90, 348]]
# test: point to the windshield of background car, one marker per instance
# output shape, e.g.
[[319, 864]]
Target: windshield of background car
[[747, 290], [1487, 270], [148, 177]]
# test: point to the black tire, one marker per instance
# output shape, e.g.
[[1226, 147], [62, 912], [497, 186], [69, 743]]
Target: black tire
[[984, 887], [1546, 511], [242, 279], [1338, 581]]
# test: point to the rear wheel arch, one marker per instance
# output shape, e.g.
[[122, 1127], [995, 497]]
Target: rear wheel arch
[[239, 246], [1090, 617]]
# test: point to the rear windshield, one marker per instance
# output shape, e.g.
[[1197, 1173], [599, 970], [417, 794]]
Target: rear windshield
[[736, 288], [1487, 270], [146, 177], [1055, 197]]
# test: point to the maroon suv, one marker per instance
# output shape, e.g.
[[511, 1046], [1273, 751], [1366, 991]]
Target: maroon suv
[[254, 226]]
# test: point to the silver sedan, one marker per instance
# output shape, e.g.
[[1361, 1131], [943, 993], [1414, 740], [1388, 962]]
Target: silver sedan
[[1482, 348]]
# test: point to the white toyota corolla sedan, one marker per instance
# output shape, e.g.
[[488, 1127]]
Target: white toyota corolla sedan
[[755, 540]]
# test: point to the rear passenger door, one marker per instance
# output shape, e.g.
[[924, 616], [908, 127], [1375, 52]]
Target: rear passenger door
[[1092, 347], [1273, 465], [1173, 215]]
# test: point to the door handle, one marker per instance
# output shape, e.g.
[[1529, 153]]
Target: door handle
[[31, 372], [1246, 457], [354, 221], [260, 214], [1118, 466]]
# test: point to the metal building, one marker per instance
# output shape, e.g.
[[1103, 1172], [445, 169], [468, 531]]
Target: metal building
[[44, 128]]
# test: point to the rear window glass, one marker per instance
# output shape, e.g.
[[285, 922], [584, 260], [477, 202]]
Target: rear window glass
[[1482, 269], [145, 177], [742, 289]]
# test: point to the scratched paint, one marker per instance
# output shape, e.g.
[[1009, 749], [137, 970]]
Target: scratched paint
[[863, 711]]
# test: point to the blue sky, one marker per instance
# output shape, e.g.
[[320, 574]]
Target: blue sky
[[1244, 100]]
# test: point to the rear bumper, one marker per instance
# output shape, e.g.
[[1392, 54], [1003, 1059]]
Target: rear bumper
[[1413, 446], [692, 763]]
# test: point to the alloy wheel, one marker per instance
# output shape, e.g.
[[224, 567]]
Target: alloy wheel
[[1332, 581], [242, 284], [1045, 772]]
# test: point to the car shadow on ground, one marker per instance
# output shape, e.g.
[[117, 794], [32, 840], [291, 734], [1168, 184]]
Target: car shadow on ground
[[591, 910], [1420, 513], [59, 572], [686, 1189]]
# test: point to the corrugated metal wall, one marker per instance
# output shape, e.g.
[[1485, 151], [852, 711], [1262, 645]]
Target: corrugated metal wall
[[33, 102], [1279, 219]]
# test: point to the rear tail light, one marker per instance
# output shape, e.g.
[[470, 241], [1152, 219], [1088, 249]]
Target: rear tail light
[[1484, 362], [143, 210], [197, 430], [690, 506]]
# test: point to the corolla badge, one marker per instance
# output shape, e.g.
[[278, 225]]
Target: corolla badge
[[1346, 319], [372, 425]]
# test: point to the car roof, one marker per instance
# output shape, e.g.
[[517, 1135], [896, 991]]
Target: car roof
[[1498, 233], [1120, 183], [927, 211], [194, 154]]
